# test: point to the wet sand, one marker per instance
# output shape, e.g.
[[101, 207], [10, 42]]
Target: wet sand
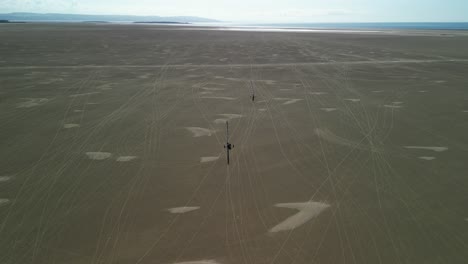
[[112, 146]]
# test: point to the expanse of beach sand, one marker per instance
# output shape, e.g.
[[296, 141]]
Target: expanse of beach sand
[[111, 145]]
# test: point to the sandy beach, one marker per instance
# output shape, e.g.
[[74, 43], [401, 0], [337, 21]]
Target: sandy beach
[[111, 145]]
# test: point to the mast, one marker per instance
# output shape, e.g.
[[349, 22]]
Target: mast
[[227, 141], [228, 145]]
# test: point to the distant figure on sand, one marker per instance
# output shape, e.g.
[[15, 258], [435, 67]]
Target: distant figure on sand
[[253, 97], [228, 145]]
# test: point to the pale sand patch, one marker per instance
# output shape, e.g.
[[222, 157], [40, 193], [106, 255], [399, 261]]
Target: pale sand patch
[[228, 78], [393, 106], [436, 149], [208, 159], [378, 91], [284, 90], [104, 87], [200, 132], [32, 102], [208, 261], [4, 201], [193, 75], [213, 83], [269, 82], [212, 89], [440, 81], [307, 211], [98, 155], [422, 91], [288, 100], [354, 100], [318, 93], [71, 125], [5, 178], [205, 93], [292, 101], [234, 79], [126, 158], [231, 116], [397, 103], [220, 121], [427, 158], [92, 103], [144, 76], [328, 109], [465, 111], [182, 210], [83, 94], [78, 111], [219, 97], [262, 109], [227, 118]]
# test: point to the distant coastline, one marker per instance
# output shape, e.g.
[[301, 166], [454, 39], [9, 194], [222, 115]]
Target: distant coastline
[[4, 21], [161, 22], [100, 22], [53, 17], [200, 21]]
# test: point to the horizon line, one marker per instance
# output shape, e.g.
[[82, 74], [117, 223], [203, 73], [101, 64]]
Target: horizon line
[[233, 21]]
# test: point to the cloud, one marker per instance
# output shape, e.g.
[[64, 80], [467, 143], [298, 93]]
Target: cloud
[[307, 13], [299, 15], [38, 6]]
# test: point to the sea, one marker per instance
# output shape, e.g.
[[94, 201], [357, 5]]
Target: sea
[[317, 26], [352, 26]]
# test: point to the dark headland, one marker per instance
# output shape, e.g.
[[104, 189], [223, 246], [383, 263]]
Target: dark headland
[[4, 21]]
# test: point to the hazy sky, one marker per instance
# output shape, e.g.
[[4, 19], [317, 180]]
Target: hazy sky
[[260, 10]]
